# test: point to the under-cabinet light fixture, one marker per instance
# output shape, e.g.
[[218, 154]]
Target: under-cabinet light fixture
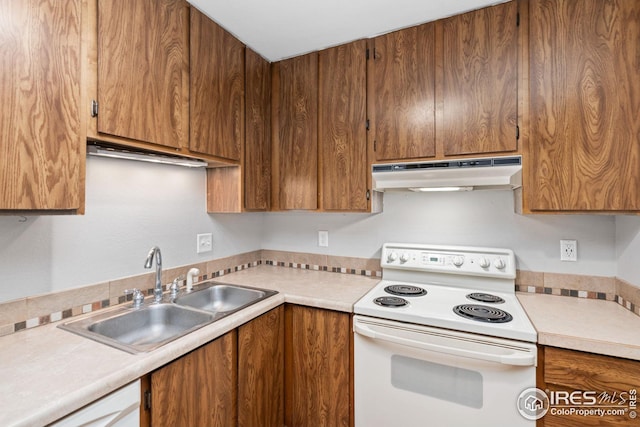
[[429, 189], [120, 153]]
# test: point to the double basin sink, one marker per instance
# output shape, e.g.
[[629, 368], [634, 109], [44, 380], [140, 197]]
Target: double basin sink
[[150, 326]]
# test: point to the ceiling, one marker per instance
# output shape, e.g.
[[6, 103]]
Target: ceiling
[[279, 29]]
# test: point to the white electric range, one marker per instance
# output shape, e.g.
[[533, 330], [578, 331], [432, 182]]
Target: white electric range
[[443, 334]]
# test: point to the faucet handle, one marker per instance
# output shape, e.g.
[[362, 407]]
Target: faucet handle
[[175, 285], [138, 296]]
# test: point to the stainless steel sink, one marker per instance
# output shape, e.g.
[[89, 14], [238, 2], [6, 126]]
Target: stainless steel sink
[[221, 298], [137, 330]]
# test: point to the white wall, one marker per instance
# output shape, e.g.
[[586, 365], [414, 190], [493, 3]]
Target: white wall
[[628, 248], [480, 218], [130, 207]]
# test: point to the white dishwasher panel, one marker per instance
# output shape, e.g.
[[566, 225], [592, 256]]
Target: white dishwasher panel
[[118, 409]]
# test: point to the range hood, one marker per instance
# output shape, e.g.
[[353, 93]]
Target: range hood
[[450, 175]]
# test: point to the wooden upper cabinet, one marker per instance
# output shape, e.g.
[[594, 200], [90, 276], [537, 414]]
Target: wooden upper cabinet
[[295, 133], [402, 94], [257, 152], [41, 144], [342, 135], [584, 149], [143, 70], [216, 89], [479, 81]]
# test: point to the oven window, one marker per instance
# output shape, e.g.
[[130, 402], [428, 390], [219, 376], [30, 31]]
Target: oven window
[[449, 383]]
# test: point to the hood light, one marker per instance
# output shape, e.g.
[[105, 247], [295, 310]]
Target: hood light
[[429, 189]]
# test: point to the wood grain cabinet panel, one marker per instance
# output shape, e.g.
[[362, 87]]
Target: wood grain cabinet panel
[[295, 133], [143, 70], [401, 94], [584, 150], [41, 146], [217, 89], [479, 81], [257, 152], [570, 371], [318, 376], [261, 371], [198, 389], [342, 135]]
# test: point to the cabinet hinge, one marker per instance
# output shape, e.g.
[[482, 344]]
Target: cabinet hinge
[[147, 400], [367, 124], [367, 53], [517, 132], [368, 195], [518, 19], [94, 108]]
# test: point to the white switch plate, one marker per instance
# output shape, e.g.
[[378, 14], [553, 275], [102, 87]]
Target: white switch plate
[[568, 250], [323, 238], [204, 243]]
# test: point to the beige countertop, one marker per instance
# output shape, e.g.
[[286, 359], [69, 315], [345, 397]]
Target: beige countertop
[[595, 326], [47, 373]]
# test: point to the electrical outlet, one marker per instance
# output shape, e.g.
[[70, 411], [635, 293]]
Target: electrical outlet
[[568, 250], [323, 238], [204, 243]]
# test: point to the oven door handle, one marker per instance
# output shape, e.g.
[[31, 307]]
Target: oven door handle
[[517, 358]]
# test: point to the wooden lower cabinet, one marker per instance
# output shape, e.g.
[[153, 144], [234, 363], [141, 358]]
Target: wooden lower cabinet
[[261, 371], [291, 366], [609, 381], [318, 379], [198, 389]]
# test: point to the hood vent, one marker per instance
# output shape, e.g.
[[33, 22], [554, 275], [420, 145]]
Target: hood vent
[[450, 175]]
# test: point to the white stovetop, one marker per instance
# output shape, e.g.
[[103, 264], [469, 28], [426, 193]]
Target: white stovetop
[[436, 309]]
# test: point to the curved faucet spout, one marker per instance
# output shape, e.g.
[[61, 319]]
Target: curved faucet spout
[[157, 291]]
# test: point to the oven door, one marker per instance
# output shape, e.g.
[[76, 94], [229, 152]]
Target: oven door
[[409, 375]]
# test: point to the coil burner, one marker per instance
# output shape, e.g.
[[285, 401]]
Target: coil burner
[[482, 313], [391, 301]]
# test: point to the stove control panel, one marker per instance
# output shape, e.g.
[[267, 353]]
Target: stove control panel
[[466, 260]]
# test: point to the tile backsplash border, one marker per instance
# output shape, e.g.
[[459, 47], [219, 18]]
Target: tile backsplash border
[[30, 312]]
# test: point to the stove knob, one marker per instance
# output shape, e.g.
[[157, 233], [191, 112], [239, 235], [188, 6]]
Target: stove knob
[[484, 262], [458, 260], [499, 263], [392, 257], [404, 257]]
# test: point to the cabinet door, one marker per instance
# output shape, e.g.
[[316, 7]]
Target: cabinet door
[[318, 377], [257, 152], [261, 371], [402, 94], [295, 133], [584, 150], [217, 89], [342, 135], [199, 389], [479, 81], [143, 70], [569, 371], [41, 146]]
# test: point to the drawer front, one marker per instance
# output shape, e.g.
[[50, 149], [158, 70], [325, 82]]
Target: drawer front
[[567, 371]]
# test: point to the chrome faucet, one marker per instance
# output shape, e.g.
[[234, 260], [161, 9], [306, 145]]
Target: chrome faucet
[[157, 290]]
